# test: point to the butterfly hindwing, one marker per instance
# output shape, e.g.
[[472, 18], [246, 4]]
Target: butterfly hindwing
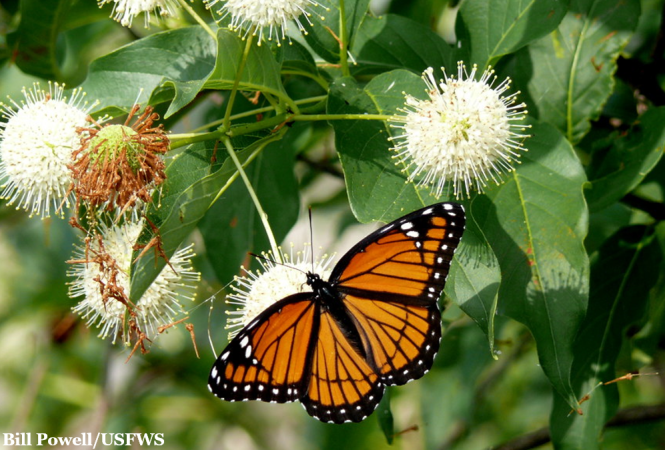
[[392, 281], [269, 359], [403, 338], [343, 387]]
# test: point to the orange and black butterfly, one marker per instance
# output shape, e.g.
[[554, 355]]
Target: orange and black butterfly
[[374, 323]]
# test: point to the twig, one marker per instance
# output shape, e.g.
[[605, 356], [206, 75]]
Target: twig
[[627, 416]]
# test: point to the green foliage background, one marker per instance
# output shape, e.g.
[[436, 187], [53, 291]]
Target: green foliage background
[[558, 284]]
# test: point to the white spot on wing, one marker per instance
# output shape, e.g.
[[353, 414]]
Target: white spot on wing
[[406, 226]]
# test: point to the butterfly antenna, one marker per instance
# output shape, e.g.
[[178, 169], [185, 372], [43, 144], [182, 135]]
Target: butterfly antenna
[[311, 237], [275, 262]]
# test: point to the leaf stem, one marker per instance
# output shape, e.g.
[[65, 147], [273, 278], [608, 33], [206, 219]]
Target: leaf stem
[[259, 209], [198, 18]]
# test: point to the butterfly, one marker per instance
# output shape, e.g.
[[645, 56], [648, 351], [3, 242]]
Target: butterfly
[[374, 323]]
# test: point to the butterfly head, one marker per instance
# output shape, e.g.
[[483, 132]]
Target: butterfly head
[[314, 280]]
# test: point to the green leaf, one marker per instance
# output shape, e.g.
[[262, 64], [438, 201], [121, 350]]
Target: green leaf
[[474, 279], [385, 417], [394, 42], [296, 58], [634, 154], [261, 72], [489, 29], [649, 339], [326, 22], [273, 180], [376, 186], [36, 38], [182, 58], [566, 77], [191, 187], [536, 223], [623, 272]]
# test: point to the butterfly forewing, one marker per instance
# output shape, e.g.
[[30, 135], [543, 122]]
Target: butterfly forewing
[[269, 359], [343, 387], [392, 280]]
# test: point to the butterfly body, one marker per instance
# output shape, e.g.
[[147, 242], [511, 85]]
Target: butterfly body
[[374, 323]]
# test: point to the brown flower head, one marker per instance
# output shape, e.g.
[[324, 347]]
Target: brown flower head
[[118, 165]]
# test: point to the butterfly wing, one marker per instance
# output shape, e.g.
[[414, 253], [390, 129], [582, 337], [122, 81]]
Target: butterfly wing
[[296, 351], [343, 386], [391, 282], [270, 359]]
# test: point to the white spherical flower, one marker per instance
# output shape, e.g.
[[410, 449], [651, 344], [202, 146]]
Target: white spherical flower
[[103, 268], [37, 141], [262, 17], [124, 11], [463, 135], [256, 291]]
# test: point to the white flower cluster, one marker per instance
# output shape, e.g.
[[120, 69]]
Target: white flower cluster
[[463, 134], [36, 146], [124, 11], [159, 305], [256, 291], [265, 17]]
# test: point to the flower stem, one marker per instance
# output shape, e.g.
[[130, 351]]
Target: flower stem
[[313, 117], [255, 199], [256, 152], [182, 139], [198, 18], [253, 127], [252, 112], [241, 68]]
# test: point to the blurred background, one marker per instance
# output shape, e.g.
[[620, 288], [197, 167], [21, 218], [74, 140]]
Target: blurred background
[[57, 377]]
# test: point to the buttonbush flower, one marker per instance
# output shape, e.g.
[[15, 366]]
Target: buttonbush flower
[[37, 143], [262, 17], [118, 166], [256, 291], [101, 271], [464, 134], [124, 11]]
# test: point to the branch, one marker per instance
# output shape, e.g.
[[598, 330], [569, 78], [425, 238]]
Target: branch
[[627, 416]]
